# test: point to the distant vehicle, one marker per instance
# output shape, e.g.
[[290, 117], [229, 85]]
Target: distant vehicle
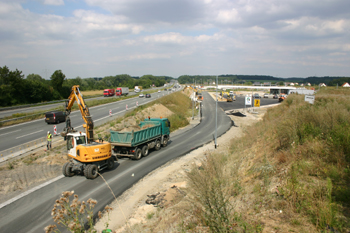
[[121, 91], [275, 96], [266, 95], [281, 98], [137, 89], [231, 98], [55, 117], [141, 95], [158, 91], [148, 95], [108, 92], [256, 96], [165, 89]]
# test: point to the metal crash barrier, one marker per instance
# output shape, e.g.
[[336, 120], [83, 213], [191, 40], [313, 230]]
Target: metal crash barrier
[[21, 149]]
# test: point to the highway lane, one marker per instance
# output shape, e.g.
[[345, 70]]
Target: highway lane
[[32, 212], [15, 135], [10, 112]]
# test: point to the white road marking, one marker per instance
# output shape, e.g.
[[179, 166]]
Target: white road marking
[[9, 132], [29, 134]]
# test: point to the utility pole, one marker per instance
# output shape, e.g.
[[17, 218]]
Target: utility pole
[[216, 114]]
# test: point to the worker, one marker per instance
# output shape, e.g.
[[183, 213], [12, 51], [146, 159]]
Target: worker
[[49, 140]]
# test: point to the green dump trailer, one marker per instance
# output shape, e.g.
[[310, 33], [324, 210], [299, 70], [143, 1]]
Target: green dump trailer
[[153, 133]]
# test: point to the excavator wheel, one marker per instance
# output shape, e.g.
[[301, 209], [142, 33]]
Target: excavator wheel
[[90, 171], [110, 163], [67, 170], [137, 154], [145, 151]]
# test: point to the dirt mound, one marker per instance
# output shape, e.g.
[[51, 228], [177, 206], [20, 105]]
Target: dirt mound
[[131, 123], [130, 128]]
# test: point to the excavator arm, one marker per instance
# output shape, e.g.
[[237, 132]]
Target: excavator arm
[[76, 96]]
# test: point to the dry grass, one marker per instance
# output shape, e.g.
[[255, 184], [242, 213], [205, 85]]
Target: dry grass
[[289, 173]]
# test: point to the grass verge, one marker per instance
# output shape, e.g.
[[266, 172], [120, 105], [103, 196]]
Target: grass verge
[[293, 170]]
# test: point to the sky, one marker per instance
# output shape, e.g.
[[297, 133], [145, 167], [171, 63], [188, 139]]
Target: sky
[[98, 38]]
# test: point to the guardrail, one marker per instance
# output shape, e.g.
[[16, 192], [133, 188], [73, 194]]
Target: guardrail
[[43, 103], [24, 148], [18, 118]]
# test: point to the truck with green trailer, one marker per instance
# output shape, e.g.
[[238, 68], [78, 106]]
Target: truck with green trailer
[[153, 133]]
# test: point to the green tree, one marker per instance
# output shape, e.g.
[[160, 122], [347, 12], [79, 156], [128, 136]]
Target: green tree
[[35, 77], [57, 79], [12, 87]]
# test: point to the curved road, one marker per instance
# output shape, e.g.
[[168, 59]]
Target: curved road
[[31, 213]]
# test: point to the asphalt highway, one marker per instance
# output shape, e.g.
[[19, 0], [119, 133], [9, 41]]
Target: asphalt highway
[[19, 134], [31, 213]]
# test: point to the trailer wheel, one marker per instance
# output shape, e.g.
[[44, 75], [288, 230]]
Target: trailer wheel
[[157, 146], [67, 170], [165, 142], [145, 150], [110, 163], [137, 154], [91, 171]]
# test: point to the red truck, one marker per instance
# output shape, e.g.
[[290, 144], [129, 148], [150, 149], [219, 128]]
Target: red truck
[[108, 92], [121, 91]]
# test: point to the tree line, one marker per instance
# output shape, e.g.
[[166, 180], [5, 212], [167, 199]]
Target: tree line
[[249, 79], [16, 89]]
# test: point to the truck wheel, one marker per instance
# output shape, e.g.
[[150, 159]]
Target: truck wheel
[[137, 154], [110, 163], [91, 171], [165, 142], [145, 150], [157, 146], [67, 170]]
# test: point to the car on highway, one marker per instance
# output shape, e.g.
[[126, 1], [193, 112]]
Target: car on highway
[[256, 96], [275, 96], [266, 95], [148, 95], [141, 95], [55, 117], [158, 91]]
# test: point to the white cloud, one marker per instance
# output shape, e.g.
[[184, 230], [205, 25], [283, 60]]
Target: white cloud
[[179, 36], [228, 16], [54, 2]]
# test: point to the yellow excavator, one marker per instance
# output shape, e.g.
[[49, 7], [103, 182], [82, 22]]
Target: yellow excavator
[[88, 157]]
